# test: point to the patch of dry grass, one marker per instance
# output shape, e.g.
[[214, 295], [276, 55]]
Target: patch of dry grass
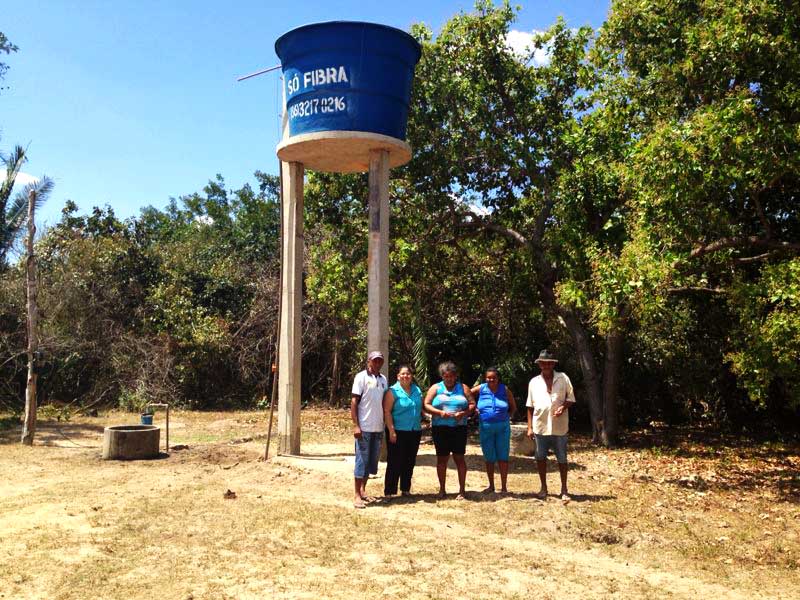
[[73, 526]]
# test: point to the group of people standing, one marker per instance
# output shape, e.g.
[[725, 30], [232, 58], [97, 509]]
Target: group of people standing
[[396, 412]]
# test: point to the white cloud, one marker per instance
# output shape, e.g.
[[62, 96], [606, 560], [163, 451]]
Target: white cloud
[[521, 44], [24, 179]]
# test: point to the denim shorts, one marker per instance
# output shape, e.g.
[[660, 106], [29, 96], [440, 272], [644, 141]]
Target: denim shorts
[[368, 449], [558, 443], [495, 441]]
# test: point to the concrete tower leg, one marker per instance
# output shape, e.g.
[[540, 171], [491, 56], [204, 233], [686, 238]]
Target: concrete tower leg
[[289, 378], [378, 259]]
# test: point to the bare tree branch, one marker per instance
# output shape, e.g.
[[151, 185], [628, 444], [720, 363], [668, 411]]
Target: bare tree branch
[[743, 242]]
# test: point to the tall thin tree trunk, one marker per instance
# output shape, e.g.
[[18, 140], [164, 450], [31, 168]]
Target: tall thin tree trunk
[[335, 369], [583, 347], [29, 427], [611, 375], [591, 375]]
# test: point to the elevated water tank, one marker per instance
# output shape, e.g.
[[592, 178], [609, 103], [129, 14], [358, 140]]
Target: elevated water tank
[[347, 87]]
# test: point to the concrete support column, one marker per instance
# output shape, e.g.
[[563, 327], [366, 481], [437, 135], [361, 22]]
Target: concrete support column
[[289, 375], [378, 259]]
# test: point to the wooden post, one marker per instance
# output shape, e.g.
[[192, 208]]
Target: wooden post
[[29, 427], [378, 258], [289, 356]]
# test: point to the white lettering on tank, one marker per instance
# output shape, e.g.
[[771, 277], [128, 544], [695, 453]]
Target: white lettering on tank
[[317, 77]]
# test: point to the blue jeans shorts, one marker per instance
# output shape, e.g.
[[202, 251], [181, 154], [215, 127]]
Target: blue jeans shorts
[[495, 441], [368, 449], [558, 443]]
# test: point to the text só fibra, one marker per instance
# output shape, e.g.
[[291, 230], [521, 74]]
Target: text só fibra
[[316, 77]]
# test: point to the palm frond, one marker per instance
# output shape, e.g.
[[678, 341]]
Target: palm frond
[[420, 350], [13, 163], [17, 213]]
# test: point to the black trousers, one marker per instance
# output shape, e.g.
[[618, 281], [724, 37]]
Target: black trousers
[[400, 460]]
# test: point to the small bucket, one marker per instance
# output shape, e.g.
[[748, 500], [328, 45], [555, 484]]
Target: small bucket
[[147, 419]]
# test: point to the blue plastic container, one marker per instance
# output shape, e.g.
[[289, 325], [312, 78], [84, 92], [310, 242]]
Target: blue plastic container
[[348, 76], [147, 419]]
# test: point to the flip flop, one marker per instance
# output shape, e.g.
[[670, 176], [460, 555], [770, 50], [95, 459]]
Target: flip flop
[[566, 498], [461, 497], [542, 495], [359, 505]]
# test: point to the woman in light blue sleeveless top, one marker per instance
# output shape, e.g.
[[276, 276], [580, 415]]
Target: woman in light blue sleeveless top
[[450, 403], [402, 410], [495, 406]]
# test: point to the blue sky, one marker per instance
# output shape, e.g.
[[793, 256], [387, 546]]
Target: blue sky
[[130, 103]]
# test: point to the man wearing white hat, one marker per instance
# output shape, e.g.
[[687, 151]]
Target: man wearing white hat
[[366, 410], [550, 395]]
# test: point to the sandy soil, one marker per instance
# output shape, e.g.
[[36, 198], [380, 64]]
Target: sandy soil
[[652, 522]]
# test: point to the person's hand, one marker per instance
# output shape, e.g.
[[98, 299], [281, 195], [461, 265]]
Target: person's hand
[[530, 433], [357, 432], [559, 410], [393, 437]]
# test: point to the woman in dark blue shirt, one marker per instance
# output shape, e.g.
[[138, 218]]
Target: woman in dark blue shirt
[[495, 407]]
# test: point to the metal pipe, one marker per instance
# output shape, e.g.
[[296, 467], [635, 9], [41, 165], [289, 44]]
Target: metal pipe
[[165, 406], [257, 73]]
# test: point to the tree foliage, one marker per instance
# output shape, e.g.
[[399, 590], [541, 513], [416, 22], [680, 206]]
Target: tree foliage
[[6, 47], [630, 202]]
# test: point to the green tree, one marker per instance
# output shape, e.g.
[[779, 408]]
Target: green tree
[[13, 214], [506, 148], [709, 92], [6, 47]]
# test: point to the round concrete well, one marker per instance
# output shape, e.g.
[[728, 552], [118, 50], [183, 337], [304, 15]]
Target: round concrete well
[[520, 442], [131, 442]]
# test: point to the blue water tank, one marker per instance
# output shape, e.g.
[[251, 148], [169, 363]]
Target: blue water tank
[[347, 76]]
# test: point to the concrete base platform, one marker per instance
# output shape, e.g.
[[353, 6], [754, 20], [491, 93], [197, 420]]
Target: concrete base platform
[[341, 151]]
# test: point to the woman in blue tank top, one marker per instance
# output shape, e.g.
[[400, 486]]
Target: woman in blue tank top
[[450, 403], [402, 410], [495, 406]]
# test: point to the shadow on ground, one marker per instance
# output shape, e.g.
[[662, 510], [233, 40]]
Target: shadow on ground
[[53, 433]]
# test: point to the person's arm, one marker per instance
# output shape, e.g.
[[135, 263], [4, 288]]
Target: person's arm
[[470, 402], [476, 389], [530, 404], [569, 398], [428, 407], [530, 422], [512, 404], [388, 404], [354, 400]]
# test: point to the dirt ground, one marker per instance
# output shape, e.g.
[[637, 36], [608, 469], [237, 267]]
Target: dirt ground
[[665, 517]]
